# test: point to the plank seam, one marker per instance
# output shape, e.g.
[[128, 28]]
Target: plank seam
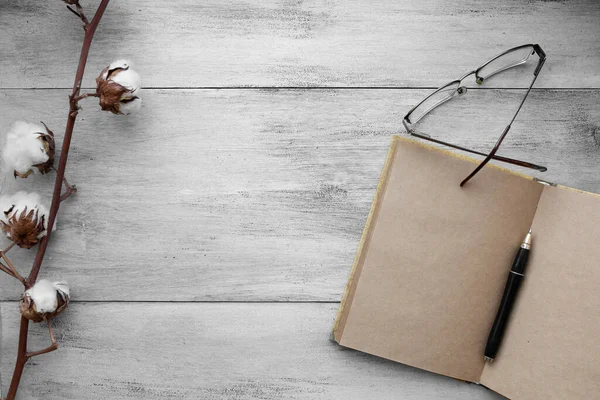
[[196, 301], [316, 88]]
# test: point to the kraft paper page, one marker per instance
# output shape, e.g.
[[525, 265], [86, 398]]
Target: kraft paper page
[[551, 349], [435, 261]]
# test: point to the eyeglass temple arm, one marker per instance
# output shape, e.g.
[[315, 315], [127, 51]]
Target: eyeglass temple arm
[[487, 158], [492, 154], [494, 157]]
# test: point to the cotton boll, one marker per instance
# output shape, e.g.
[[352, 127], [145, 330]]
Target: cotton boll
[[11, 205], [22, 149], [120, 63], [43, 294], [130, 106], [127, 78], [62, 288], [44, 300], [23, 218], [118, 87], [28, 147]]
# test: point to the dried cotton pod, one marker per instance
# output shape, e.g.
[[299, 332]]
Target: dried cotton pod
[[23, 218], [28, 147], [118, 87], [44, 300]]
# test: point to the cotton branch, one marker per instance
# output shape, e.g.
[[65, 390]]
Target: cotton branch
[[69, 190], [48, 349], [10, 246], [9, 268], [5, 269], [79, 12], [22, 354], [13, 271], [83, 96]]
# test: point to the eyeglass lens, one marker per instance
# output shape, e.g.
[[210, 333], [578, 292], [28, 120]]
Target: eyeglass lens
[[512, 77], [441, 96], [509, 60]]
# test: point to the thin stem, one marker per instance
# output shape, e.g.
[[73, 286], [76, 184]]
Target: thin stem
[[83, 96], [69, 190], [66, 183], [80, 14], [48, 349], [73, 11], [10, 246], [24, 328], [4, 268], [10, 265], [83, 18]]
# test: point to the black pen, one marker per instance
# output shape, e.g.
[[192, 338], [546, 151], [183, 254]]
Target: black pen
[[515, 276]]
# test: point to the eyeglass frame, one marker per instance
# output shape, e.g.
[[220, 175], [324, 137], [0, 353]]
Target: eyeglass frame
[[460, 90]]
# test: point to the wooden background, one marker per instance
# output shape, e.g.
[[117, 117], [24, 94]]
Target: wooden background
[[212, 235]]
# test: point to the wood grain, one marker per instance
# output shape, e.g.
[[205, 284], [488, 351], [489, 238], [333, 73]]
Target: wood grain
[[217, 351], [259, 195], [299, 43]]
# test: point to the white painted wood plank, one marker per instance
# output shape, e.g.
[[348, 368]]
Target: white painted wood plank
[[259, 194], [299, 43], [210, 351]]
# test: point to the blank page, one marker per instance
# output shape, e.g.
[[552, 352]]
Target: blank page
[[433, 261], [551, 348]]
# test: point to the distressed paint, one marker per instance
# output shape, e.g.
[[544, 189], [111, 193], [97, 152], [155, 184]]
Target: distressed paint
[[252, 196], [217, 351], [259, 194], [300, 43]]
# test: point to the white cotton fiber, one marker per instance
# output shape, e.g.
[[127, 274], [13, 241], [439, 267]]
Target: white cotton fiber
[[120, 63], [43, 294], [127, 78], [62, 288], [22, 149], [20, 200], [130, 106]]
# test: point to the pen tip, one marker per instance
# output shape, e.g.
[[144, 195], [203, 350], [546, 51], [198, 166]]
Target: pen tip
[[526, 244]]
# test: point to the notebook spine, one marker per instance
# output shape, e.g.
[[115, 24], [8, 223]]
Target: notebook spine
[[340, 320]]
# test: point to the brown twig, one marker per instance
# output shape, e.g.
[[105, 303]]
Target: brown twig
[[80, 14], [69, 190], [9, 268], [48, 349], [83, 96], [12, 268], [22, 355], [4, 268], [10, 246]]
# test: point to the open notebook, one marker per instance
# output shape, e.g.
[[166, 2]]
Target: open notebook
[[432, 264]]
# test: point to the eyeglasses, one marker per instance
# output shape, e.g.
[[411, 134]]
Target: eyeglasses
[[509, 59]]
